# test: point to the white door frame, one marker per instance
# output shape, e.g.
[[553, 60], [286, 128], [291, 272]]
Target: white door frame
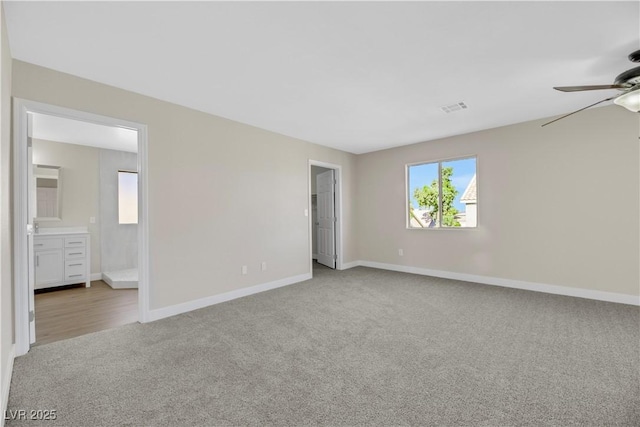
[[21, 107], [338, 208]]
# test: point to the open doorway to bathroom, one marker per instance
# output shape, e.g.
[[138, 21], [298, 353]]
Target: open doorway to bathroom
[[83, 197]]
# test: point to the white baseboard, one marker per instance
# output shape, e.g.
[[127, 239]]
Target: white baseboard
[[95, 276], [172, 310], [6, 383], [510, 283], [348, 265]]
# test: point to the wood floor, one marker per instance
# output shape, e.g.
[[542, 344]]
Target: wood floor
[[69, 313]]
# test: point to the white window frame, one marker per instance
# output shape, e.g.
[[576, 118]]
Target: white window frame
[[407, 200]]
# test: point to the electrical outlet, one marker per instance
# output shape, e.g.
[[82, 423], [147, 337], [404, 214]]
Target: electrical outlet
[[245, 270], [92, 220], [401, 252], [264, 265]]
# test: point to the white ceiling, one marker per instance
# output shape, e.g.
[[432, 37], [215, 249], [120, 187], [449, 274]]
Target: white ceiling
[[77, 132], [358, 76]]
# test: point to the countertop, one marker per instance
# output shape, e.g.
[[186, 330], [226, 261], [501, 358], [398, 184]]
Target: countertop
[[54, 231]]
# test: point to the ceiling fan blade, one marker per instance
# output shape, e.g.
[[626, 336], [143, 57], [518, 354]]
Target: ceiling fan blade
[[593, 87], [577, 111]]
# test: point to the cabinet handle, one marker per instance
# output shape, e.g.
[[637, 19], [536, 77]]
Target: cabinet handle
[[38, 244], [75, 275], [75, 253], [75, 243], [72, 265], [37, 260]]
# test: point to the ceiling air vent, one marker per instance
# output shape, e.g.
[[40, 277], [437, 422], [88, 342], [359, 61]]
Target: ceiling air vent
[[454, 107]]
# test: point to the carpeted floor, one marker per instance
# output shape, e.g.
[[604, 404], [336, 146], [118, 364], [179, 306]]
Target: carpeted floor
[[357, 347]]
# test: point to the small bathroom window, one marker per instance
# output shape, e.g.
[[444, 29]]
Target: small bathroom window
[[127, 197]]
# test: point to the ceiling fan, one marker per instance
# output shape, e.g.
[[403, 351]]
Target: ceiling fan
[[627, 82]]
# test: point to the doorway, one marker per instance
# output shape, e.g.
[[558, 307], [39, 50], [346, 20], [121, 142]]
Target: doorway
[[325, 214], [56, 264]]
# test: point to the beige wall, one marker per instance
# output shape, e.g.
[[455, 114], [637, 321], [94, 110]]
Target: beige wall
[[6, 259], [205, 174], [80, 167], [557, 205]]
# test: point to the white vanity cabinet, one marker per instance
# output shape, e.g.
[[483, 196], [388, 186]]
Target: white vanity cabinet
[[61, 259]]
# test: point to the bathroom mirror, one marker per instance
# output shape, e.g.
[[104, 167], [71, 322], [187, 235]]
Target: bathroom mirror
[[48, 192]]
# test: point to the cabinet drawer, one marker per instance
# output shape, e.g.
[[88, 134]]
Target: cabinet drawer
[[47, 243], [75, 242], [80, 277], [74, 253], [75, 269]]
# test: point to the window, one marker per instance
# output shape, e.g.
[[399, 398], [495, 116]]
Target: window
[[127, 197], [442, 194]]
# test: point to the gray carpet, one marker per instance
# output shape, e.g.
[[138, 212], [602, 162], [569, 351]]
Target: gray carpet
[[358, 347]]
